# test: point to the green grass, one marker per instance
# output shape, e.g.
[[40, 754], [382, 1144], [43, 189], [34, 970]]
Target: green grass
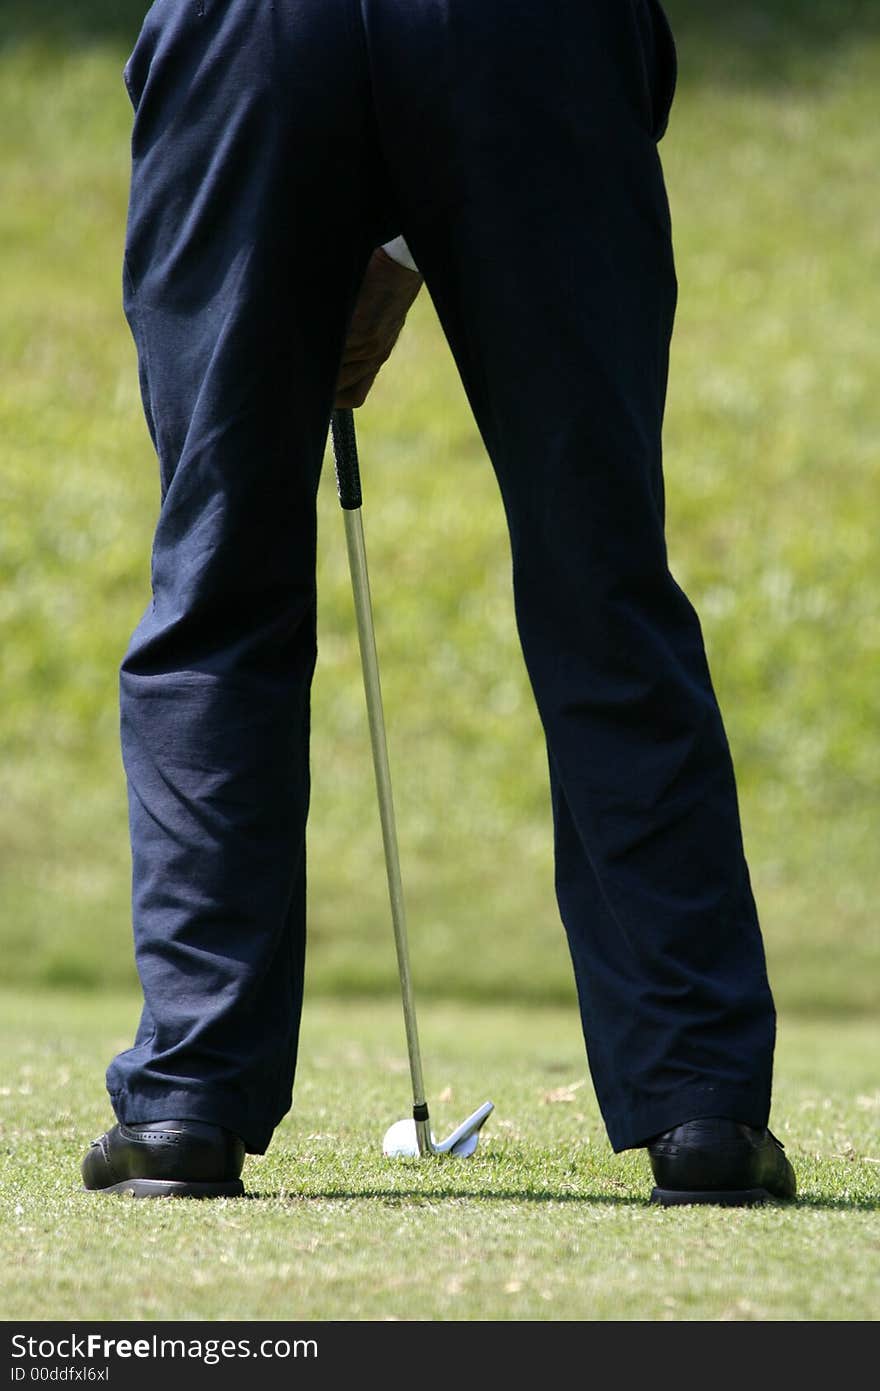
[[773, 493], [544, 1222]]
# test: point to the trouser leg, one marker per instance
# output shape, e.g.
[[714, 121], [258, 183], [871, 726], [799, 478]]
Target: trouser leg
[[254, 206], [545, 240]]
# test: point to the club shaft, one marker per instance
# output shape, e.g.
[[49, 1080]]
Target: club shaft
[[360, 583]]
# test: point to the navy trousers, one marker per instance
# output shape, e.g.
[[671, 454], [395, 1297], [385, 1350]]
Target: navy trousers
[[513, 143]]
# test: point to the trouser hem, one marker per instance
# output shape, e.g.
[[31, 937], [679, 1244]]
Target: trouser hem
[[636, 1127], [211, 1108]]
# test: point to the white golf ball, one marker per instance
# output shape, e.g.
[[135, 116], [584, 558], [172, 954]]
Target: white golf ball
[[400, 1141]]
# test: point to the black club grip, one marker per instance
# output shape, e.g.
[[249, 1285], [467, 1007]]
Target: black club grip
[[348, 474]]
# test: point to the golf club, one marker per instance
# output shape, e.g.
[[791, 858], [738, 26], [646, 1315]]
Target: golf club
[[405, 1137]]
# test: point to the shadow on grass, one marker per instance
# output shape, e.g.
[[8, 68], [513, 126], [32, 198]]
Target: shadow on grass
[[395, 1197], [752, 41], [398, 1196], [767, 42], [60, 26], [839, 1204]]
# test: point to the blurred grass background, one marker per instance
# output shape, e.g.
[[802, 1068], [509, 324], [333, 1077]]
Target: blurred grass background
[[773, 493]]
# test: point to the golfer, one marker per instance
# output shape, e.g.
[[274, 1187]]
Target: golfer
[[513, 145]]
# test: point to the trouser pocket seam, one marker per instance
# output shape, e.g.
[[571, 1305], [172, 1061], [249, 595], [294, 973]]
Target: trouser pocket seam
[[658, 62]]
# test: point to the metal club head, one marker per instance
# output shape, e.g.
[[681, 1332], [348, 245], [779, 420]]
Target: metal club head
[[402, 1140]]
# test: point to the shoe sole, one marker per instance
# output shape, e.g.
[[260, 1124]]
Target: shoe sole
[[731, 1197], [162, 1188]]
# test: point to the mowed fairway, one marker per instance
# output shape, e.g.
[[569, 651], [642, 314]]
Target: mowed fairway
[[544, 1223]]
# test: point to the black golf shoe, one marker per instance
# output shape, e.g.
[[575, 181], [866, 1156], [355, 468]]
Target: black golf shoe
[[719, 1161], [166, 1159]]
